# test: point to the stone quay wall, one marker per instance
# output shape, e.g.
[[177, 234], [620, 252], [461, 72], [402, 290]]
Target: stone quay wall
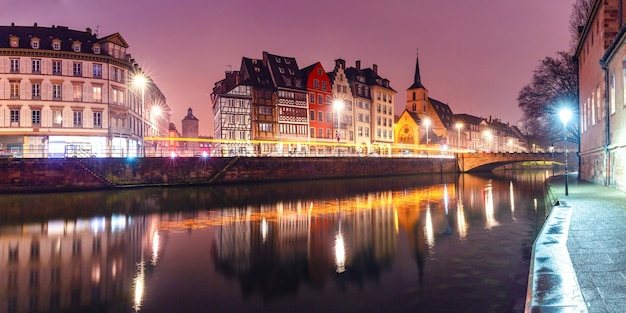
[[55, 175]]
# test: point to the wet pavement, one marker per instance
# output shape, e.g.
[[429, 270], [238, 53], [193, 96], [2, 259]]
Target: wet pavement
[[579, 258]]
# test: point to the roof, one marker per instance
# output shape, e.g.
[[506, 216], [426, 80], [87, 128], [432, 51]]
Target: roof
[[417, 80], [257, 75], [46, 36], [469, 119], [284, 71], [444, 112]]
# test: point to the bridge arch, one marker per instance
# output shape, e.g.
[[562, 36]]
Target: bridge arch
[[486, 162]]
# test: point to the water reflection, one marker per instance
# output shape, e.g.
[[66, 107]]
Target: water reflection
[[303, 242]]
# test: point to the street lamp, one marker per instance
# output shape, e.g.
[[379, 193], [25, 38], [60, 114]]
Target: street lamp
[[426, 124], [565, 115], [458, 138], [338, 106], [140, 81]]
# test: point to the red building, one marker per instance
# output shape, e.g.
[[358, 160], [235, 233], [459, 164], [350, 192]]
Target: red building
[[320, 101]]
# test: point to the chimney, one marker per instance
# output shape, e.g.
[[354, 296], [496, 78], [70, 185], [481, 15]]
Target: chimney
[[375, 68], [339, 63], [358, 65], [265, 58], [88, 30]]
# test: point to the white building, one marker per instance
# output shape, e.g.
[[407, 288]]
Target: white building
[[68, 93]]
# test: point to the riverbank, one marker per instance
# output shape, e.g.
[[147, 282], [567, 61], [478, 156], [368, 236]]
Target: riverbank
[[60, 175]]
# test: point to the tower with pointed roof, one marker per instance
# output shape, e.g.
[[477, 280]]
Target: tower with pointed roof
[[417, 94], [190, 130]]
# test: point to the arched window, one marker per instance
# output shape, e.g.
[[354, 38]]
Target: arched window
[[414, 95]]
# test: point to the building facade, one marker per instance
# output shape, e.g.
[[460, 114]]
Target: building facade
[[602, 88], [68, 93], [321, 110]]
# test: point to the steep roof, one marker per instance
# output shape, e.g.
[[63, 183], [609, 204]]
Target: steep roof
[[444, 112], [284, 71], [257, 75], [417, 80], [469, 119]]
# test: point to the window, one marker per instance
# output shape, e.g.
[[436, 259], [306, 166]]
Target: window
[[15, 65], [36, 66], [378, 107], [329, 117], [15, 90], [78, 92], [97, 119], [15, 117], [78, 69], [311, 97], [320, 116], [312, 115], [57, 118], [359, 117], [34, 44], [36, 89], [115, 74], [56, 92], [96, 49], [360, 131], [329, 134], [378, 120], [316, 84], [36, 117], [97, 71], [97, 94], [78, 118], [324, 85], [265, 110], [56, 67], [329, 100], [265, 127], [56, 46], [76, 47]]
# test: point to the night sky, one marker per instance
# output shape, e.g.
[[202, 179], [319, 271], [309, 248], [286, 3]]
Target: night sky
[[474, 55]]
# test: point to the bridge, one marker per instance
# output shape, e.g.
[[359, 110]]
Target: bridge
[[485, 162]]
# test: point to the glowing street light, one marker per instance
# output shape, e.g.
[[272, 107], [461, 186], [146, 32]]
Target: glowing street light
[[338, 106], [565, 115], [426, 123], [458, 129], [140, 81]]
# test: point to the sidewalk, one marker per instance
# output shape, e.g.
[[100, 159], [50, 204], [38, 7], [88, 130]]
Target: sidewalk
[[588, 274]]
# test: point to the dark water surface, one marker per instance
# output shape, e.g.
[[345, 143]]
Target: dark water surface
[[456, 243]]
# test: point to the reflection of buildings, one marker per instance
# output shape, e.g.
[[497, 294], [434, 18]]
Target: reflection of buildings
[[79, 266]]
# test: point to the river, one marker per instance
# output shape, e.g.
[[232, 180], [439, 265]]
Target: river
[[440, 243]]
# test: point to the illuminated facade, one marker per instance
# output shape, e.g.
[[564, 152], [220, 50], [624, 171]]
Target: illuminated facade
[[602, 95], [342, 92], [322, 129], [68, 93]]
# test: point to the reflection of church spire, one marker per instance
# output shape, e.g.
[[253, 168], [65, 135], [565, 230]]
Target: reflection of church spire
[[417, 81]]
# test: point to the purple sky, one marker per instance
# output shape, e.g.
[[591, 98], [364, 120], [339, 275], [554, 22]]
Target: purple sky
[[474, 55]]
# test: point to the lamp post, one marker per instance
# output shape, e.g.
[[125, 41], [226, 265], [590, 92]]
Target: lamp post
[[140, 81], [458, 138], [565, 115], [426, 124], [337, 106]]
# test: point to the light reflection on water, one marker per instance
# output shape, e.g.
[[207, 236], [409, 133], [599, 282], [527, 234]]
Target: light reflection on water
[[389, 244]]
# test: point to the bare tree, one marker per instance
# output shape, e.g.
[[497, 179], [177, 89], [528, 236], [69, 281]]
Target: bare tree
[[553, 87], [578, 19]]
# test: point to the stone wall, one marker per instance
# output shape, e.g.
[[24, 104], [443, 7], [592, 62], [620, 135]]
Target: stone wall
[[51, 175]]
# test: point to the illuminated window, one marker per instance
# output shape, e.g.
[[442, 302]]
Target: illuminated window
[[97, 94], [15, 90], [57, 118], [77, 92]]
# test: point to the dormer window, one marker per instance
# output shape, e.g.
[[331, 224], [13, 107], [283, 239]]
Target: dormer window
[[14, 41], [56, 44], [277, 60], [34, 43], [281, 70], [291, 71], [96, 49], [76, 46]]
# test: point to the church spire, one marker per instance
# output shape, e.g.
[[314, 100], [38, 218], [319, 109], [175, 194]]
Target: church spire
[[417, 81]]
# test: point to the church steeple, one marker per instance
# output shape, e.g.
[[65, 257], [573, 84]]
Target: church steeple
[[417, 81]]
